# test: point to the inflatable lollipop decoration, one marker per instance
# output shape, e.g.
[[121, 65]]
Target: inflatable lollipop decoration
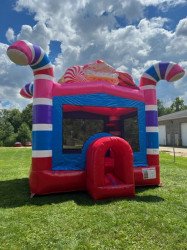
[[159, 71], [24, 53], [27, 90]]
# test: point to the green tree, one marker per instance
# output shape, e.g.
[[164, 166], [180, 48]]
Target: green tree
[[7, 135], [15, 125], [10, 140], [26, 115], [24, 133], [4, 114], [14, 117], [178, 105], [168, 110], [161, 108]]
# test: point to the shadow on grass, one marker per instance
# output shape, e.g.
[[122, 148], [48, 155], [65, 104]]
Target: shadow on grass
[[15, 193]]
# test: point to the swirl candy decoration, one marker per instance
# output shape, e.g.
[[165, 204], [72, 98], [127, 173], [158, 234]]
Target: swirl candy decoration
[[24, 53], [159, 71], [27, 90], [74, 74], [93, 72]]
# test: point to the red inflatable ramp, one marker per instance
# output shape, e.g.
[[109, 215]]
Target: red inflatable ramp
[[116, 181]]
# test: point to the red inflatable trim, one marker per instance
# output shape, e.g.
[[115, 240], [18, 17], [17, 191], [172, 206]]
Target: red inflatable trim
[[48, 181], [140, 180], [153, 160], [40, 164]]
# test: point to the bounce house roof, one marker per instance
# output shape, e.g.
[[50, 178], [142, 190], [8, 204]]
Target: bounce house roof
[[82, 88]]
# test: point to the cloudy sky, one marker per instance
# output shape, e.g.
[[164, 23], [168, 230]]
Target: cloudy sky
[[130, 35]]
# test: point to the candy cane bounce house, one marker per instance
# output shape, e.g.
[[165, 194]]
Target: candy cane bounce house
[[94, 129]]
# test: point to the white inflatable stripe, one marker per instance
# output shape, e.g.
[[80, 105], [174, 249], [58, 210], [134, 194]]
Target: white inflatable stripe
[[170, 66], [156, 66], [42, 127], [148, 87], [152, 151], [43, 76], [41, 153], [151, 107], [152, 129], [30, 87], [26, 91], [145, 75], [42, 101], [100, 74]]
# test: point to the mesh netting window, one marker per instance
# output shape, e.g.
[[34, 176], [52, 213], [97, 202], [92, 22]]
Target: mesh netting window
[[131, 131], [78, 127]]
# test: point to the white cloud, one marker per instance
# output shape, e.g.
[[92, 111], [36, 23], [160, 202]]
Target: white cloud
[[162, 3], [181, 29], [90, 30], [10, 35], [177, 44], [38, 34]]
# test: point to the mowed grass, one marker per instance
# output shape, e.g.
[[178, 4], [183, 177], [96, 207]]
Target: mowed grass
[[155, 219]]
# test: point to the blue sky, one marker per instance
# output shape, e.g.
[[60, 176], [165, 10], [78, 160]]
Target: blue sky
[[129, 35], [11, 18]]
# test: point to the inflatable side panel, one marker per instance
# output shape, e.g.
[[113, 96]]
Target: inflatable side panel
[[47, 181], [120, 181]]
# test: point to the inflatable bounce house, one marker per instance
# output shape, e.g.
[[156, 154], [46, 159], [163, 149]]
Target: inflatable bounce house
[[94, 129]]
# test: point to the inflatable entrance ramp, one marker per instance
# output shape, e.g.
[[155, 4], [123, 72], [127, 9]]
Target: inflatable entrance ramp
[[110, 168]]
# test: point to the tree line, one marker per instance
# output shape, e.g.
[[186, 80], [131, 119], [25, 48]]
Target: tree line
[[16, 125], [177, 105]]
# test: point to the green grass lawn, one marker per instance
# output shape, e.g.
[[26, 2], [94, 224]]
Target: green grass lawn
[[155, 219]]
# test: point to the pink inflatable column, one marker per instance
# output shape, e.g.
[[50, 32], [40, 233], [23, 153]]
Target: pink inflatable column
[[159, 71], [25, 53]]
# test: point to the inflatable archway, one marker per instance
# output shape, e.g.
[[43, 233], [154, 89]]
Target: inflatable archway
[[116, 181]]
